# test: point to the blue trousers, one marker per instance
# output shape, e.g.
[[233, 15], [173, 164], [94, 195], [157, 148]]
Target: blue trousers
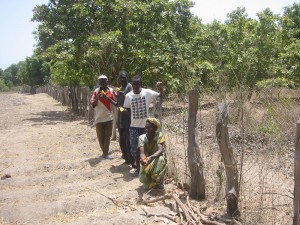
[[134, 133]]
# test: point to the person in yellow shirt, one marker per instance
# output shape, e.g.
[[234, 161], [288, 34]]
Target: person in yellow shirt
[[152, 155]]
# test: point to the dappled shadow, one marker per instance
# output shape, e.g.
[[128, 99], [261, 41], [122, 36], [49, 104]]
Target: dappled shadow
[[94, 161], [145, 194], [124, 170], [52, 117]]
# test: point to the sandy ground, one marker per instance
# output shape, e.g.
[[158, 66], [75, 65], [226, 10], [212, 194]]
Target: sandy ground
[[51, 172]]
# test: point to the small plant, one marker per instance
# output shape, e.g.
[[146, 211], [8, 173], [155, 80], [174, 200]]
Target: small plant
[[286, 100], [271, 126]]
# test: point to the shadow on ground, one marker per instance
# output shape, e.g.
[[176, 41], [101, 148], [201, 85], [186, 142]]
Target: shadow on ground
[[52, 117]]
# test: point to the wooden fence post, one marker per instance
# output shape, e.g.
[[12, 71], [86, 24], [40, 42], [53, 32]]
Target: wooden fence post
[[232, 191], [296, 220], [194, 158]]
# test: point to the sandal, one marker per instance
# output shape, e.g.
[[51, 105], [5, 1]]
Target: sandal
[[134, 171]]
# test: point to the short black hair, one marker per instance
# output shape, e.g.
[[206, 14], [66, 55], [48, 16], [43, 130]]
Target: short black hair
[[123, 73], [137, 78]]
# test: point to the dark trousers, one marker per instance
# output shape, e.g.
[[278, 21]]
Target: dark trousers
[[135, 132], [124, 141], [104, 132]]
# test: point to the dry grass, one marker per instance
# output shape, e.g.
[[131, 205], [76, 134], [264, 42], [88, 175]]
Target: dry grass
[[262, 135]]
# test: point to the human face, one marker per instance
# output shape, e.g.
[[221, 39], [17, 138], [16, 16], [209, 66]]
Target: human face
[[136, 86], [123, 80], [150, 129], [103, 83]]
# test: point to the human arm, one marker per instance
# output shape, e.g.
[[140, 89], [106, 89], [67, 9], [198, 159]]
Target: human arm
[[110, 100], [158, 153], [95, 98], [126, 109], [159, 86], [144, 159]]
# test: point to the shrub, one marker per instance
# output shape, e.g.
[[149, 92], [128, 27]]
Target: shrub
[[275, 82]]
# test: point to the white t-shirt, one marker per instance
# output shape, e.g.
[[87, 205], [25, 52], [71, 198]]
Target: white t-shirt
[[139, 105]]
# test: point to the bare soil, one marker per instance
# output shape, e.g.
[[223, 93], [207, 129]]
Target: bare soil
[[51, 172]]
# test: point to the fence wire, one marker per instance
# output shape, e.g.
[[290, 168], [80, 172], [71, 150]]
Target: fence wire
[[262, 132]]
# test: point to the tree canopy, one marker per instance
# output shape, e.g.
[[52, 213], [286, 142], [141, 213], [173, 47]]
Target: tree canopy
[[161, 40]]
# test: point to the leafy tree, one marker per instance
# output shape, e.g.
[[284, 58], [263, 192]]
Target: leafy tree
[[268, 45], [161, 40], [33, 72], [3, 87], [240, 54], [290, 21], [9, 77], [89, 37], [287, 64], [214, 42], [11, 74]]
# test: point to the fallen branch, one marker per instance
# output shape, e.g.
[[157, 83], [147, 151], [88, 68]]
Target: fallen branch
[[204, 219], [161, 198], [226, 219], [159, 215], [116, 202], [192, 213], [183, 208]]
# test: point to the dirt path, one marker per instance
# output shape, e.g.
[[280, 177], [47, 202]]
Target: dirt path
[[51, 172]]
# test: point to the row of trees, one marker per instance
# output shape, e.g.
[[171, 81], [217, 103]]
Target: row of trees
[[8, 78], [162, 40], [34, 72]]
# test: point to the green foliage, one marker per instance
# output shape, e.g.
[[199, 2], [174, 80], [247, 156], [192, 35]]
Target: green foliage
[[9, 78], [162, 40], [287, 101], [92, 37], [267, 45], [220, 173], [270, 127], [276, 82], [290, 22], [33, 72], [3, 86], [288, 62]]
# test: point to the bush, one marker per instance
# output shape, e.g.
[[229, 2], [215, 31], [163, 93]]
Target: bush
[[3, 87], [276, 82]]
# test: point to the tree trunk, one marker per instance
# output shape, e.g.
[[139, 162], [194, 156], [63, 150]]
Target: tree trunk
[[297, 177], [232, 192], [32, 90], [194, 158]]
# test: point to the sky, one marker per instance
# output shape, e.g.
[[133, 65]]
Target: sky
[[18, 42]]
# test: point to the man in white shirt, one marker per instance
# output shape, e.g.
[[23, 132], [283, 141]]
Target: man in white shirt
[[137, 102], [101, 101]]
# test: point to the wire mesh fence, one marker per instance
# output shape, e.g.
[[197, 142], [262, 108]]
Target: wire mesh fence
[[262, 132]]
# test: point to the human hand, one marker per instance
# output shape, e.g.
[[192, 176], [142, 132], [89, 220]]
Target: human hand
[[159, 86], [102, 94], [144, 161]]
